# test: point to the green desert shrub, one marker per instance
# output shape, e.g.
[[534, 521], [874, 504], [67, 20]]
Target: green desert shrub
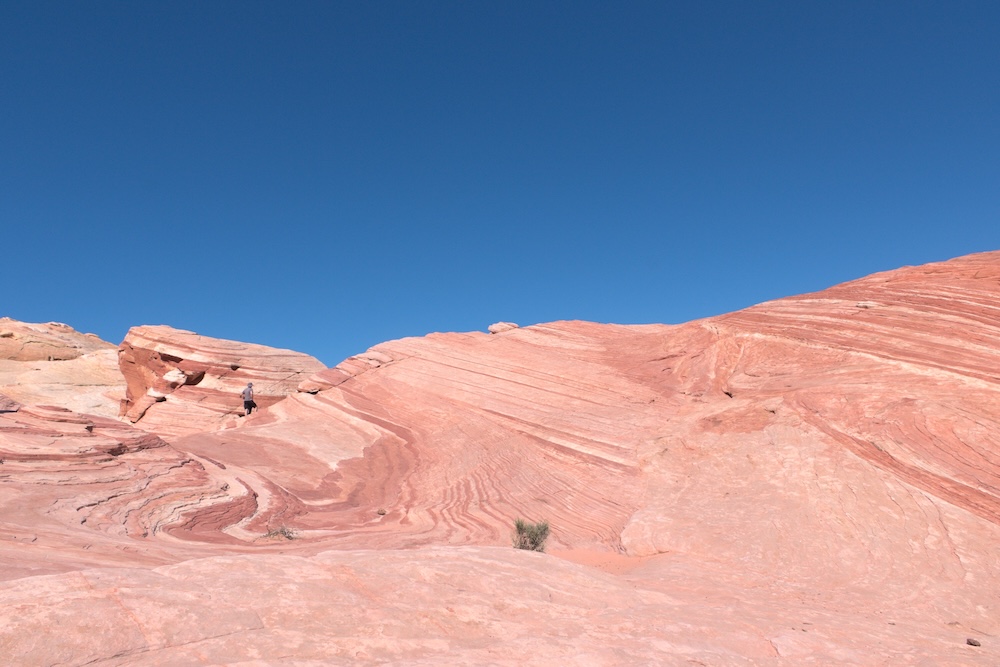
[[530, 536]]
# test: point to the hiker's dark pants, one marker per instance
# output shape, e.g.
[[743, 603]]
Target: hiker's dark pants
[[247, 406]]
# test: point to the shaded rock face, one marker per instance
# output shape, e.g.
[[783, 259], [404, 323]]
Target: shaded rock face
[[8, 405], [201, 378], [814, 479]]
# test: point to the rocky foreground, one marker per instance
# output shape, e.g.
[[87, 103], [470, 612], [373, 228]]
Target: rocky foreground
[[813, 480]]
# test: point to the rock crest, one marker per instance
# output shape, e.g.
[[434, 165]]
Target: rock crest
[[500, 327]]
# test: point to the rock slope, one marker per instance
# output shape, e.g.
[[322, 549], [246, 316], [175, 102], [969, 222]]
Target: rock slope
[[811, 480]]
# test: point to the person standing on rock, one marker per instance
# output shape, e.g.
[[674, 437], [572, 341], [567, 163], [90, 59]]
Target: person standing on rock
[[247, 394]]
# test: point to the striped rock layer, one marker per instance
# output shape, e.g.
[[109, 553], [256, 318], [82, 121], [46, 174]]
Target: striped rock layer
[[814, 479], [179, 382]]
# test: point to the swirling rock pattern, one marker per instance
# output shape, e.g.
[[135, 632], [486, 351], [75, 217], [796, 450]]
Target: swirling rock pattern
[[79, 490], [811, 480]]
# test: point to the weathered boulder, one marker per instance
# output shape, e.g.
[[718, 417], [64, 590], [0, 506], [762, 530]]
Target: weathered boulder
[[201, 377], [500, 327], [54, 364], [55, 341]]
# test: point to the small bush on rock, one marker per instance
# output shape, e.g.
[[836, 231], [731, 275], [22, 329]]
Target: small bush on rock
[[284, 532], [530, 536]]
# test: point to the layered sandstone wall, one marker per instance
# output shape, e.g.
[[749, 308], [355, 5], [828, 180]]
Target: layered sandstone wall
[[201, 377]]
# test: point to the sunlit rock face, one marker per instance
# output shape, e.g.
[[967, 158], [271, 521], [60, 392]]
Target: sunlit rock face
[[54, 364], [179, 382], [23, 341], [811, 480]]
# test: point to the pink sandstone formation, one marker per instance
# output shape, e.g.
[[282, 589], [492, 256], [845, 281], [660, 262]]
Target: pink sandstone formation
[[54, 364], [55, 341], [180, 382], [813, 480]]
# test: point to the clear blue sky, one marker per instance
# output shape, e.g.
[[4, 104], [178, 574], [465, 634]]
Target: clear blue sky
[[325, 176]]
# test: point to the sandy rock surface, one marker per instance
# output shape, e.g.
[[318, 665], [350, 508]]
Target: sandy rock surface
[[813, 480], [433, 606]]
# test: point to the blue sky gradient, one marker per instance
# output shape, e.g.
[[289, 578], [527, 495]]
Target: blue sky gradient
[[324, 176]]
